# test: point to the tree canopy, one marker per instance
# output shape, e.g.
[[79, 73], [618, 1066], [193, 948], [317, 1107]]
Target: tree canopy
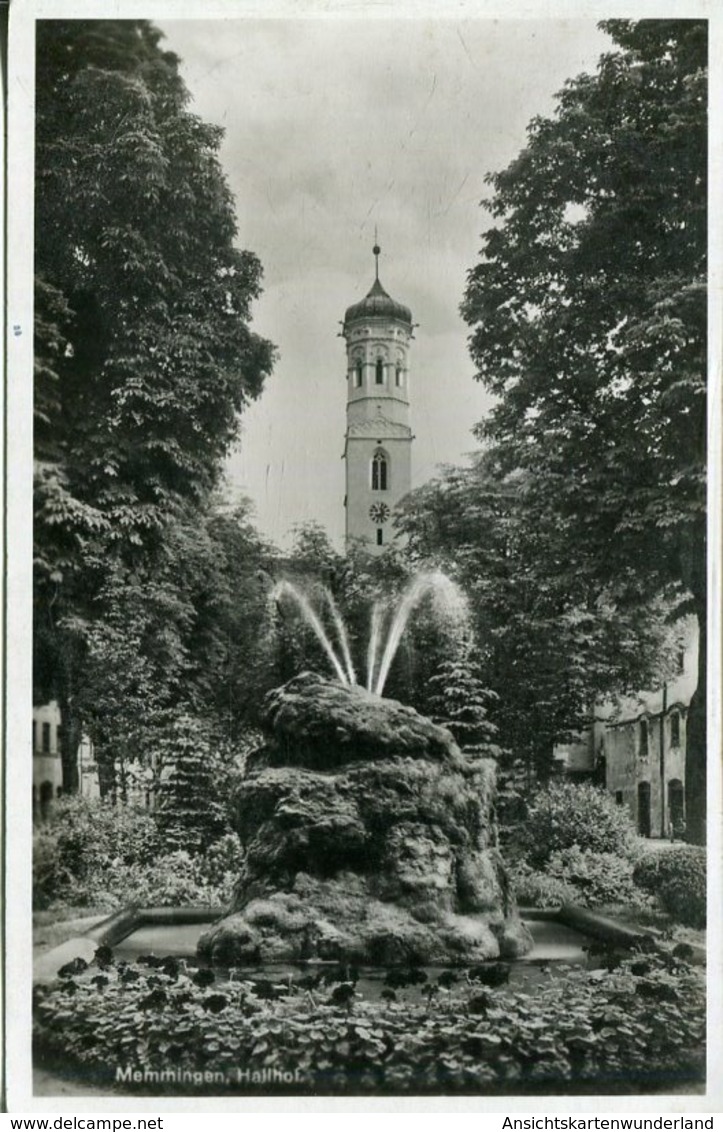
[[145, 356], [587, 311], [550, 640], [144, 360]]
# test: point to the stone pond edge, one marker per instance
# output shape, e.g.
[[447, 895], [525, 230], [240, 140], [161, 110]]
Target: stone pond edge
[[119, 925]]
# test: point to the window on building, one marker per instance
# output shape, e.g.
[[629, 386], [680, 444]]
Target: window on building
[[644, 738], [358, 374], [399, 374], [379, 372], [618, 797], [46, 738], [674, 729], [380, 471], [380, 536]]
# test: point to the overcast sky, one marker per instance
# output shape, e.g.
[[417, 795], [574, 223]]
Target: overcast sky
[[332, 127]]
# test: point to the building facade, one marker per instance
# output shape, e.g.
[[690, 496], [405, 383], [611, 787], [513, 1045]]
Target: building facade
[[636, 748], [47, 765], [377, 451]]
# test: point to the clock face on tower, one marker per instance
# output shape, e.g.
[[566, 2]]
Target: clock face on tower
[[379, 512]]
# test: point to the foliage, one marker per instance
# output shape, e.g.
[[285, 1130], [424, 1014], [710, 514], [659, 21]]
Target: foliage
[[534, 888], [193, 795], [144, 360], [677, 878], [159, 357], [222, 860], [588, 317], [82, 838], [567, 814], [180, 633], [94, 854], [596, 879], [459, 701], [549, 645], [593, 1030], [233, 619], [171, 880], [574, 876]]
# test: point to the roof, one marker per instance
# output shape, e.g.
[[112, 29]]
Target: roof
[[377, 303]]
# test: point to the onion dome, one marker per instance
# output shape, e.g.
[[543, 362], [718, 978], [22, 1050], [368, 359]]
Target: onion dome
[[377, 303]]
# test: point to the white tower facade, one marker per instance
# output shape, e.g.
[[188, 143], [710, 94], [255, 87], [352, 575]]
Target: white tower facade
[[378, 448]]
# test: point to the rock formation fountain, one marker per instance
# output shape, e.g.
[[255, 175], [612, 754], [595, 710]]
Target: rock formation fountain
[[369, 835]]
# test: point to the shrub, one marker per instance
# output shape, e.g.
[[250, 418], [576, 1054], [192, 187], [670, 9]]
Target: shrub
[[222, 860], [174, 879], [605, 1031], [677, 878], [594, 878], [566, 814], [82, 841], [91, 854], [535, 889], [573, 876]]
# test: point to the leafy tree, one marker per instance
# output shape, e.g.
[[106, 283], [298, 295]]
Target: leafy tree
[[588, 317], [237, 665], [158, 357], [144, 356], [179, 633], [551, 641]]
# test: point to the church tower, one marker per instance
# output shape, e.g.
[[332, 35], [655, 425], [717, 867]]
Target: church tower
[[378, 445]]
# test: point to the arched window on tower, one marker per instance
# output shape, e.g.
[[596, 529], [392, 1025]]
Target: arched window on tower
[[399, 374], [380, 471], [358, 373], [379, 372]]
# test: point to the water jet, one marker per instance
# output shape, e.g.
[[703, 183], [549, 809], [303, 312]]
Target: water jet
[[448, 605]]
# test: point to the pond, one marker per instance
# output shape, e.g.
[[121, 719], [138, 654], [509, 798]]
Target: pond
[[554, 942]]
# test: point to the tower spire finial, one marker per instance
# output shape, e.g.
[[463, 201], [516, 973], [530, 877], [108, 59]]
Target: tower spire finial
[[376, 249]]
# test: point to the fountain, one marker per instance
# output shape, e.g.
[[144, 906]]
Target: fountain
[[368, 835], [449, 604]]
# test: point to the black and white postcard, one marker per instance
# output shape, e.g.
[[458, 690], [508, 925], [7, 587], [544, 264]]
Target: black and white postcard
[[363, 471]]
